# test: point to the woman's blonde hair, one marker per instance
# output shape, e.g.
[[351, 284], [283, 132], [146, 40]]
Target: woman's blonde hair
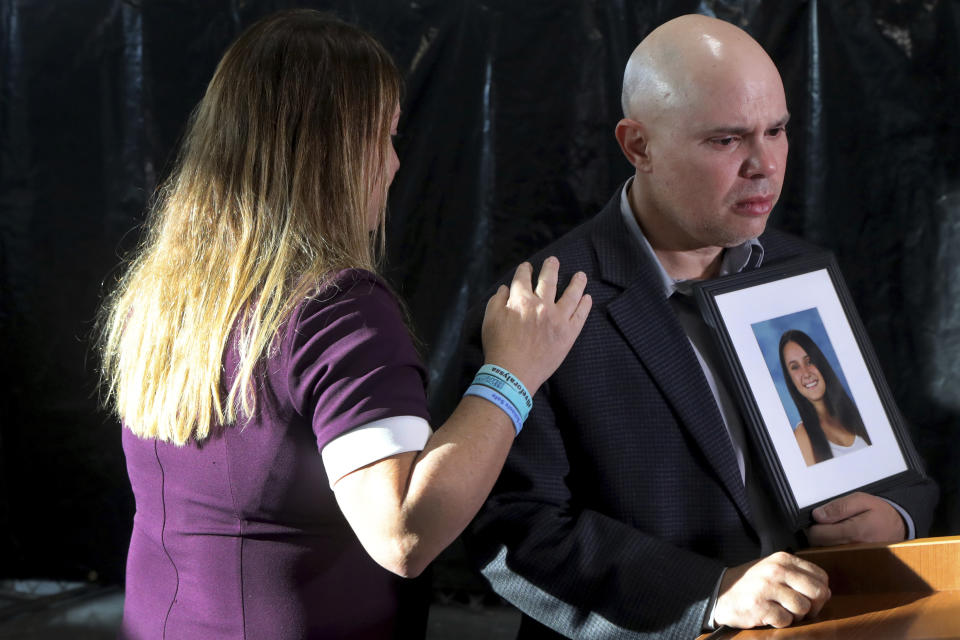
[[272, 192]]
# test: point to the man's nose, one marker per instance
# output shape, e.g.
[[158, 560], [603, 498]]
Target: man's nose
[[761, 163]]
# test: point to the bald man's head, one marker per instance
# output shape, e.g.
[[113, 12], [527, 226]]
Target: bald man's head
[[672, 65], [705, 128]]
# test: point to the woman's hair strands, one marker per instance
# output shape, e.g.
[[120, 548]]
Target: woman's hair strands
[[269, 197]]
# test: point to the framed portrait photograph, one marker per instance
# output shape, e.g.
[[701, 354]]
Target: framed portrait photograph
[[808, 382]]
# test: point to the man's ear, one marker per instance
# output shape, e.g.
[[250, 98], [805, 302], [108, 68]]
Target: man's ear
[[632, 137]]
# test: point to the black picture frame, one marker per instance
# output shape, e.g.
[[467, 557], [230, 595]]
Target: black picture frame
[[745, 313]]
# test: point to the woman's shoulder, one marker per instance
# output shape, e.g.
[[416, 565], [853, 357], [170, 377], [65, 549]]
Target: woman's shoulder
[[351, 281], [349, 297], [350, 287], [351, 322]]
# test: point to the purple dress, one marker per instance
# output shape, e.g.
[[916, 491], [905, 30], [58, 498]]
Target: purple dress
[[240, 536]]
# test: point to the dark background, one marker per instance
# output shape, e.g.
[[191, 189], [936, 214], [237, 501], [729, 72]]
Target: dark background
[[506, 142]]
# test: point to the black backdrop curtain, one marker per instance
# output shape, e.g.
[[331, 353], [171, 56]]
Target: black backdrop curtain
[[506, 142]]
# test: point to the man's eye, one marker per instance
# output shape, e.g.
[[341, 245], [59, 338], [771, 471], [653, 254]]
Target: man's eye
[[724, 142], [773, 133]]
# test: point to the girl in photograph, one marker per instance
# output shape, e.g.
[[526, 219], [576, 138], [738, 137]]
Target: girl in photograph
[[830, 424], [273, 407]]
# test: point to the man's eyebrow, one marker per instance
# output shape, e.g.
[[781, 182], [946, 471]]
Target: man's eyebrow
[[737, 130], [782, 122]]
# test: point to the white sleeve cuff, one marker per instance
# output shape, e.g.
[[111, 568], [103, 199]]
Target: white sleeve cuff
[[373, 441], [708, 622], [911, 530]]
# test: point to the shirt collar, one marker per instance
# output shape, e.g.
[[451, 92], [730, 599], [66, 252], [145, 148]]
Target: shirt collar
[[744, 256]]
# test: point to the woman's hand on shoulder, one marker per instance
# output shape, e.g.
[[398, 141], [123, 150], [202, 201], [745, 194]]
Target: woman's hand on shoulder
[[527, 330]]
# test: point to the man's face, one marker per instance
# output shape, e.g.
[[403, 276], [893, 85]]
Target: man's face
[[717, 159]]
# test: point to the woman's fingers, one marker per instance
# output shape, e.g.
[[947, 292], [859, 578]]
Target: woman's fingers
[[498, 299], [582, 311], [569, 304], [529, 333], [547, 282], [521, 280], [573, 294]]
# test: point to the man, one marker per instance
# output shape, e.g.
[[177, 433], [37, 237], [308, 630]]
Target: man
[[629, 505]]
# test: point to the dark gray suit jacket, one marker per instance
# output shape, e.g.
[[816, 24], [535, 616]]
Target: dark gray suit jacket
[[621, 500]]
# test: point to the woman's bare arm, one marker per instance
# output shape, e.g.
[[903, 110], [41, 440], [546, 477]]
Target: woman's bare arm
[[407, 508]]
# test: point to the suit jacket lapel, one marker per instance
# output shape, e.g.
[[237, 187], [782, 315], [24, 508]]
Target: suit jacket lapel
[[653, 331]]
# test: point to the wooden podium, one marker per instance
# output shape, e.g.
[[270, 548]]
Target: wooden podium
[[904, 590]]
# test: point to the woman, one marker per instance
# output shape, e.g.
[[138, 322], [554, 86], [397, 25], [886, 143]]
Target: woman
[[257, 361], [830, 424]]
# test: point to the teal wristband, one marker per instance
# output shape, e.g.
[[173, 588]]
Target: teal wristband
[[498, 399], [506, 390], [525, 402]]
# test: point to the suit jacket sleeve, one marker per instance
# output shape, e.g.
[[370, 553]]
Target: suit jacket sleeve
[[918, 499]]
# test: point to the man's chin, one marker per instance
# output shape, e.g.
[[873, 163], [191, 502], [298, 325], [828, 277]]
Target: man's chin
[[747, 232]]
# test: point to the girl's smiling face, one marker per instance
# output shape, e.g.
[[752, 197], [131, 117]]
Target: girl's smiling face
[[805, 375]]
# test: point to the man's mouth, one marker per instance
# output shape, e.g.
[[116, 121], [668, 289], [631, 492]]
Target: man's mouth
[[755, 206]]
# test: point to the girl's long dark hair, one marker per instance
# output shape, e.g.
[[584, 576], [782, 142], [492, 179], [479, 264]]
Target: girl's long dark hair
[[838, 402]]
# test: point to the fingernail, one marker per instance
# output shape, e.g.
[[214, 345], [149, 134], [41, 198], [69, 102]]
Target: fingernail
[[819, 512]]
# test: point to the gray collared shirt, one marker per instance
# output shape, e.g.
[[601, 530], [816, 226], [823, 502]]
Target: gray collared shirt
[[735, 259], [678, 293]]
